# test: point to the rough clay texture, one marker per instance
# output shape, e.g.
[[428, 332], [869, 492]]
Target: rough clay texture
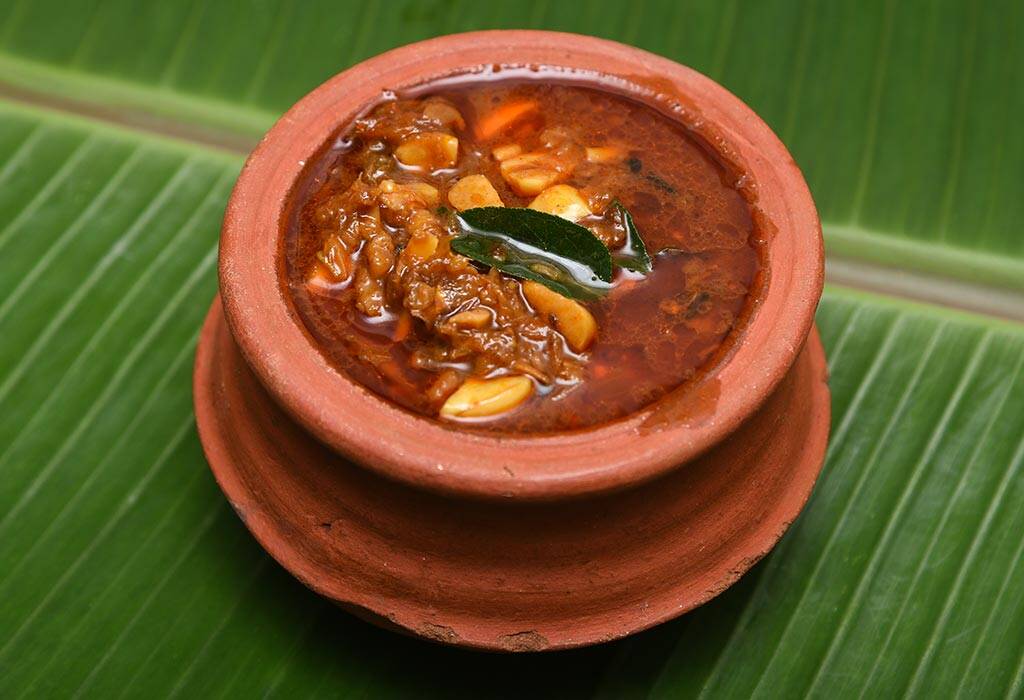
[[514, 575], [422, 452], [502, 543]]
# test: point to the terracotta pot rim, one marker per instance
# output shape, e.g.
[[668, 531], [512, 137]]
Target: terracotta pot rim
[[417, 450]]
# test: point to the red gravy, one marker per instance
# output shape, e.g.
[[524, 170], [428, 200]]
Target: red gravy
[[367, 302]]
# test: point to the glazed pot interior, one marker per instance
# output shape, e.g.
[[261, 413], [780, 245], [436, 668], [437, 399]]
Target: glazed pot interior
[[368, 429]]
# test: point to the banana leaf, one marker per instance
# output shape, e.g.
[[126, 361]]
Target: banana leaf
[[123, 571]]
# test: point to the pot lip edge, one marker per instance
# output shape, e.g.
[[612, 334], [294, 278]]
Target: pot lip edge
[[440, 472]]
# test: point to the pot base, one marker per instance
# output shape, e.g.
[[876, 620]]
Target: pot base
[[509, 575]]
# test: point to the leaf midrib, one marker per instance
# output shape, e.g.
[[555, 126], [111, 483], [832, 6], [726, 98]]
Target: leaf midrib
[[934, 273], [154, 111]]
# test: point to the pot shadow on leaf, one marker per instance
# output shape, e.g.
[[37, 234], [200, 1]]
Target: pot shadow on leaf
[[329, 649]]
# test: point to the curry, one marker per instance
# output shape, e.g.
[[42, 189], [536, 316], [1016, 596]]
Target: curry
[[522, 255]]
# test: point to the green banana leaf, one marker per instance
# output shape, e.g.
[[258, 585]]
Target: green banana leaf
[[123, 571]]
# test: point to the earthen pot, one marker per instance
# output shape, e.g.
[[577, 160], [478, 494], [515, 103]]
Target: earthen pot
[[514, 542]]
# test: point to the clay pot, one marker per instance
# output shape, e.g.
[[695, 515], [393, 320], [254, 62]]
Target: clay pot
[[499, 542]]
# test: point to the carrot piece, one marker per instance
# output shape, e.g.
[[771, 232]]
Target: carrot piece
[[389, 369], [403, 326], [496, 122], [320, 278]]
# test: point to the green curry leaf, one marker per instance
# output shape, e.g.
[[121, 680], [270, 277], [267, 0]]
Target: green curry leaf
[[534, 245], [524, 262], [632, 256]]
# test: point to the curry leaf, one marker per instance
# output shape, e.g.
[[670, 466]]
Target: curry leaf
[[534, 245], [525, 262], [551, 234], [632, 256]]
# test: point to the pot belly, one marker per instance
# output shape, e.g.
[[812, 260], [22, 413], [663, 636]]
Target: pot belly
[[509, 575]]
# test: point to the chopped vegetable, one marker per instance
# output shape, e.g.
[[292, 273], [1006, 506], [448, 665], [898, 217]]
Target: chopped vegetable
[[396, 196], [444, 114], [477, 398], [442, 387], [422, 246], [403, 327], [334, 260], [562, 200], [432, 150], [605, 154], [473, 318], [427, 192], [320, 278], [369, 293], [502, 118], [507, 151], [571, 318], [530, 173], [473, 191]]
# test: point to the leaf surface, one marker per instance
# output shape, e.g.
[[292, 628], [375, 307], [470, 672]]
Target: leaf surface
[[123, 569], [633, 255], [901, 115], [536, 246]]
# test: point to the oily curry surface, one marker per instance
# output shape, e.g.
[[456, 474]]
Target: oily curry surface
[[369, 264]]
